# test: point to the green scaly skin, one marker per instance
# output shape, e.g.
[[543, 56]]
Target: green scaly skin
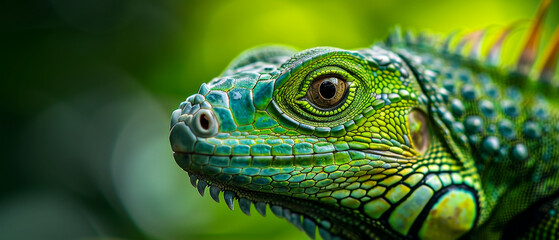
[[424, 144]]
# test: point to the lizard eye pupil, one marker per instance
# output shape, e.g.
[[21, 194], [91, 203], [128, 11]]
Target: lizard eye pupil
[[327, 92], [328, 88]]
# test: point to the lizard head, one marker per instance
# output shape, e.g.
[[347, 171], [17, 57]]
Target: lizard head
[[335, 140]]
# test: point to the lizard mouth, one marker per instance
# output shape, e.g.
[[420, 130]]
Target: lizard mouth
[[288, 184], [309, 216]]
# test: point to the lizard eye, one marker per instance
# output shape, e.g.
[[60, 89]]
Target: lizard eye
[[327, 92], [419, 130]]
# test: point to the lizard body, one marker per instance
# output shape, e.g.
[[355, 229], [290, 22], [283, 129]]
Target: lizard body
[[404, 139]]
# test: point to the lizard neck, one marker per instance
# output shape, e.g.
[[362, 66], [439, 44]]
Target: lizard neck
[[508, 132]]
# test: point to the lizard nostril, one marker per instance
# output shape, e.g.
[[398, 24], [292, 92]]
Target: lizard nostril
[[205, 121]]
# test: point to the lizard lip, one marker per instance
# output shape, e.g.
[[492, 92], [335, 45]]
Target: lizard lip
[[184, 138]]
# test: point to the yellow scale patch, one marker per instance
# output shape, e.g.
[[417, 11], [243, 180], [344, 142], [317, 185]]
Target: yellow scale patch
[[453, 215]]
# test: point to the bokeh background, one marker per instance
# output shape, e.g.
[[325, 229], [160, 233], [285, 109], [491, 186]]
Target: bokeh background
[[88, 87]]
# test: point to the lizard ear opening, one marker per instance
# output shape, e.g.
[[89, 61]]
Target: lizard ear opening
[[419, 130]]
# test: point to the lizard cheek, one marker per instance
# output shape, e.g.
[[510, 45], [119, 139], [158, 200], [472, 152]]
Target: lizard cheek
[[419, 130]]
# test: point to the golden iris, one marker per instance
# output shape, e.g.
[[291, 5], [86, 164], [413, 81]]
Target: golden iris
[[327, 92]]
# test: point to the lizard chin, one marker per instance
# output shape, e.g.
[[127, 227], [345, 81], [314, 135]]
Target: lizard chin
[[331, 221]]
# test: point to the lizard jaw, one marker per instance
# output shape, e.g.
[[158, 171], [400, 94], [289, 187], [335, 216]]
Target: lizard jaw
[[295, 211], [332, 222]]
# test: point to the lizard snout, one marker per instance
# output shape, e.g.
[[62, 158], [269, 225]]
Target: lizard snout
[[194, 119]]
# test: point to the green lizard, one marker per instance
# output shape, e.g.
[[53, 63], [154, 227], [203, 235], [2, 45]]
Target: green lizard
[[405, 139]]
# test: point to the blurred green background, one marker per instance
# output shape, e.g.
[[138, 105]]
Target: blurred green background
[[88, 87]]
